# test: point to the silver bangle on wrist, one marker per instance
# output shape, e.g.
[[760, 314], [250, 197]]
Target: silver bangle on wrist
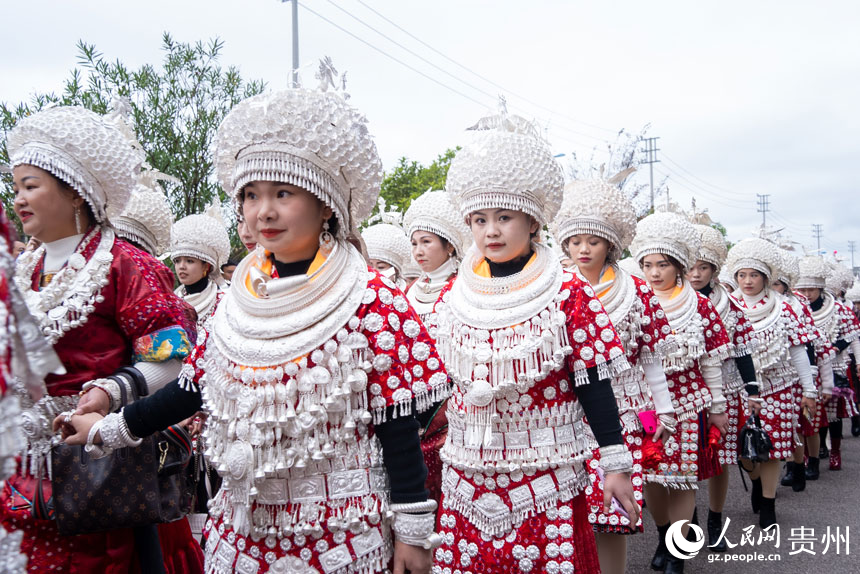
[[115, 433], [615, 459], [110, 387], [94, 450], [669, 422], [718, 408], [811, 394], [415, 524]]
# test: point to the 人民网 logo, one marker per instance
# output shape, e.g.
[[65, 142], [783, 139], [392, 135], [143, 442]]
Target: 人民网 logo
[[677, 543]]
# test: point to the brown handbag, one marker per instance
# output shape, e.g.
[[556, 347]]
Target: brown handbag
[[134, 486]]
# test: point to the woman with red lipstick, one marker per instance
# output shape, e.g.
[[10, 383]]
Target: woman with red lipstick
[[739, 376], [102, 304], [595, 224], [666, 245], [199, 246], [313, 365], [439, 238], [531, 351], [245, 236], [785, 377]]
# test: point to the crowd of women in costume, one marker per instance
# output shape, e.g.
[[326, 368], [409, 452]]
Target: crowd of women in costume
[[480, 384]]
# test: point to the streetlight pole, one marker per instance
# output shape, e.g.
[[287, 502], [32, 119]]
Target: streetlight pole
[[295, 43], [294, 74]]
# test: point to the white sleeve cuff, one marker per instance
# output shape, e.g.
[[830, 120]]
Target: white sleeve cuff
[[157, 375], [658, 385], [800, 360]]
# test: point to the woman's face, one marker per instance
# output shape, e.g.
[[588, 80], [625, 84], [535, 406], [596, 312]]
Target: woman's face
[[428, 251], [245, 236], [659, 272], [190, 270], [45, 207], [588, 252], [700, 274], [811, 293], [750, 282], [502, 234], [779, 287], [380, 265], [284, 219]]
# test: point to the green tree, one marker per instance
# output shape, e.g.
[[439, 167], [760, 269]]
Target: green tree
[[176, 111], [409, 179]]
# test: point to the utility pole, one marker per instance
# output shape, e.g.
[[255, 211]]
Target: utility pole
[[816, 233], [294, 75], [763, 208], [651, 158], [852, 245]]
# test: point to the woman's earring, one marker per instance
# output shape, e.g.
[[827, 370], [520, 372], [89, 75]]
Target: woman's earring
[[326, 239], [679, 281], [712, 282], [78, 220]]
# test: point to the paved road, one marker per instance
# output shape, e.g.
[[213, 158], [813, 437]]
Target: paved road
[[833, 500]]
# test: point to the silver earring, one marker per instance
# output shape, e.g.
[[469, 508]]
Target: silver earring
[[679, 281], [326, 239], [78, 220]]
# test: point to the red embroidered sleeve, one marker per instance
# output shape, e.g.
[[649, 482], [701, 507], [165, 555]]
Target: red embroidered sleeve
[[404, 363], [656, 336], [143, 306], [743, 338], [716, 337], [797, 333], [849, 325], [590, 333]]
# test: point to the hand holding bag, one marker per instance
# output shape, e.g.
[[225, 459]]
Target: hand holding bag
[[754, 444], [133, 486]]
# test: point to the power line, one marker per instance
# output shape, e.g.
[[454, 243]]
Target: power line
[[476, 74], [722, 189], [387, 55], [816, 233], [651, 150], [425, 60], [763, 208], [410, 51]]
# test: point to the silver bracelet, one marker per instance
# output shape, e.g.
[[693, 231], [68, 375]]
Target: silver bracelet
[[416, 529], [615, 458], [115, 433], [810, 394], [96, 451], [110, 387], [416, 507], [758, 400], [717, 408], [669, 422]]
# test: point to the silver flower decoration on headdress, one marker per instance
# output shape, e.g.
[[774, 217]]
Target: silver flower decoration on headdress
[[755, 253], [839, 277], [85, 150], [597, 207], [812, 272], [308, 138], [506, 165], [202, 236], [668, 234], [435, 212], [713, 248]]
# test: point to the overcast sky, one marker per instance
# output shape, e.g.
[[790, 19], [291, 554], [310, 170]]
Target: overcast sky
[[746, 97]]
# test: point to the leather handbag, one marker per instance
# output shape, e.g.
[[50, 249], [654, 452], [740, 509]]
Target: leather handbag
[[754, 443], [133, 486]]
